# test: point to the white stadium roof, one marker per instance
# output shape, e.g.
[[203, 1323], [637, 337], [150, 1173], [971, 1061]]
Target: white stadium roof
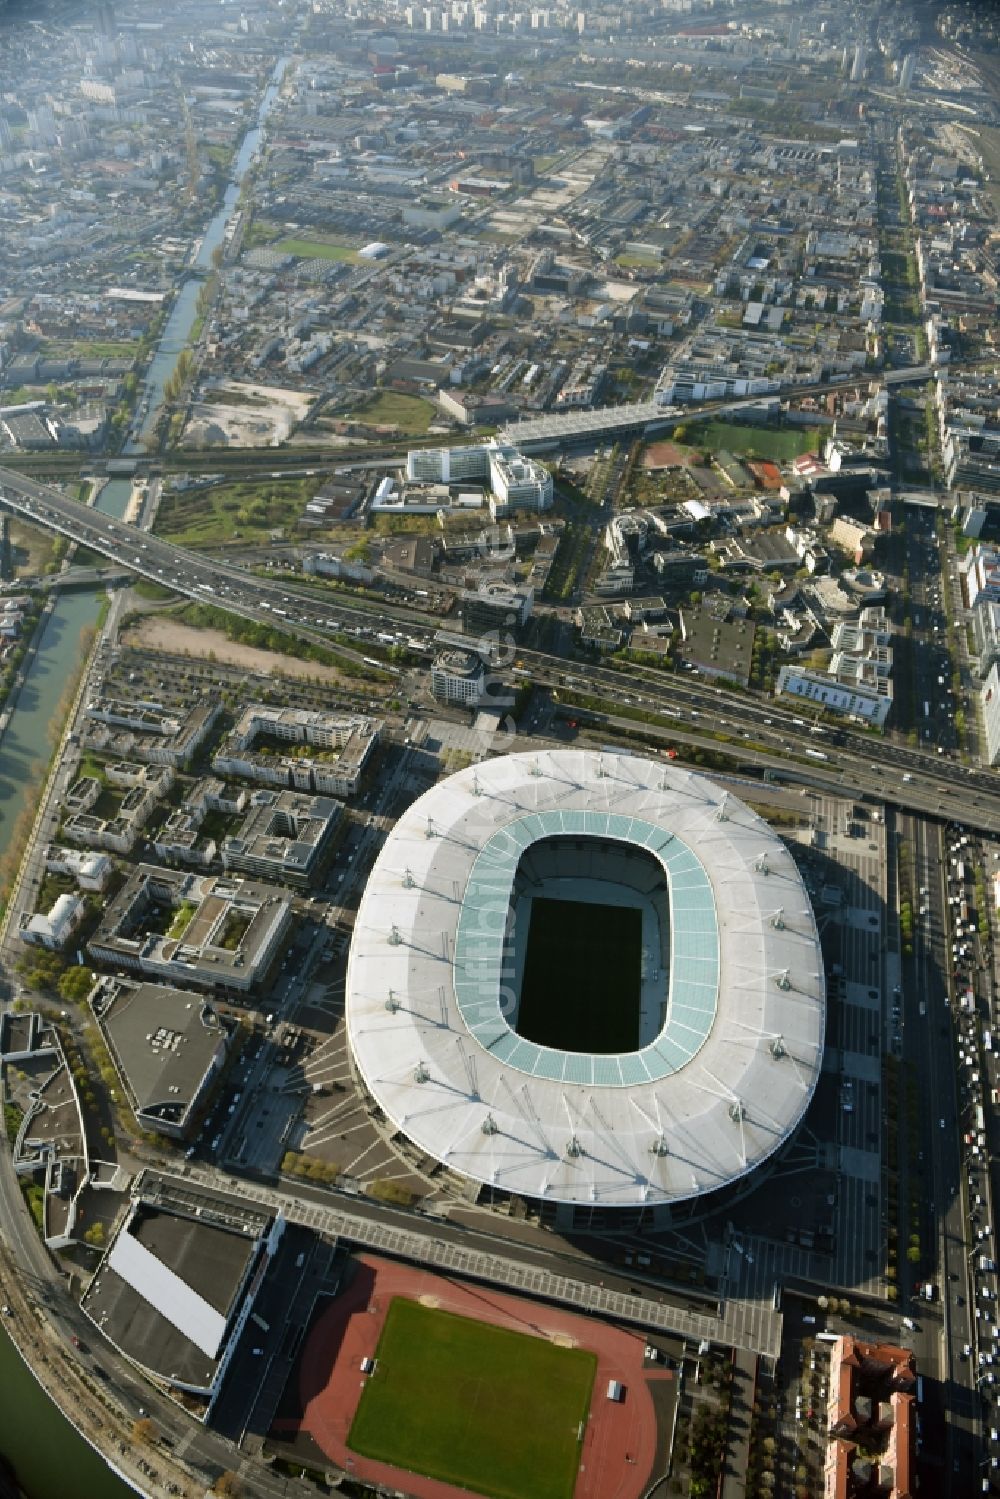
[[709, 1098]]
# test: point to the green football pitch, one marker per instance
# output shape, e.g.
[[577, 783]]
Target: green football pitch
[[582, 977], [481, 1407]]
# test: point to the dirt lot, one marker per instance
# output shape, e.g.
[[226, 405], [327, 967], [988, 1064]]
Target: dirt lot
[[161, 633], [667, 455]]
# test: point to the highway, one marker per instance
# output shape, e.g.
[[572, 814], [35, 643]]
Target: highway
[[856, 762], [184, 572], [929, 1049], [911, 777]]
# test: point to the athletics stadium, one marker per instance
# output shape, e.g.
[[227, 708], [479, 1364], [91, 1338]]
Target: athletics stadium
[[590, 982]]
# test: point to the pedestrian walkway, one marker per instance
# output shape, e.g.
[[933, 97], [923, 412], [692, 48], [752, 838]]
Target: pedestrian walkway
[[756, 1328], [734, 1484]]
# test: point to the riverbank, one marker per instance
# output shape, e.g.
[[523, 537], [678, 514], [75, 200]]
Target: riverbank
[[11, 700], [68, 1429]]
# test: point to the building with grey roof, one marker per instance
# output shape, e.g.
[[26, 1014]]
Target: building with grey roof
[[342, 746], [148, 730], [458, 677], [218, 932], [90, 871], [716, 646], [53, 928], [286, 835], [176, 1288], [495, 606], [167, 1045]]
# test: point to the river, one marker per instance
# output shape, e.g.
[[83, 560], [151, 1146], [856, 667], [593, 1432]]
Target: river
[[51, 1461], [35, 1438], [177, 329]]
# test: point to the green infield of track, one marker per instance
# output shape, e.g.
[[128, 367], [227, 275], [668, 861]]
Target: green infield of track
[[494, 1411]]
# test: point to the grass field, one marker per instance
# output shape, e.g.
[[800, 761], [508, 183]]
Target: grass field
[[393, 408], [778, 444], [582, 971], [316, 249], [232, 512], [989, 146], [92, 349], [475, 1405]]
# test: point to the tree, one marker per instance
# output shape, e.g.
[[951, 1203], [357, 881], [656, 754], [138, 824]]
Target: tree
[[227, 1483], [143, 1430], [75, 984], [94, 1235]]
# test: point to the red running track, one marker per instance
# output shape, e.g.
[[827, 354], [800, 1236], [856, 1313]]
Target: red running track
[[619, 1445]]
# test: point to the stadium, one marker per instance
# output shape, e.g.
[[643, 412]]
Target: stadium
[[587, 981]]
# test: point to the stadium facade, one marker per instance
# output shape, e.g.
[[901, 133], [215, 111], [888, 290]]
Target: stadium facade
[[664, 1068]]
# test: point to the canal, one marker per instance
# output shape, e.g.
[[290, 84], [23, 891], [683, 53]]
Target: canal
[[50, 1460], [177, 328]]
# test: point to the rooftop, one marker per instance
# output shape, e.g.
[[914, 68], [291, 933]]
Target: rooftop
[[163, 1041], [723, 1082]]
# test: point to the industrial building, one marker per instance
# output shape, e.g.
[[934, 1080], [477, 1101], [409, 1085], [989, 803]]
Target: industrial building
[[176, 1288]]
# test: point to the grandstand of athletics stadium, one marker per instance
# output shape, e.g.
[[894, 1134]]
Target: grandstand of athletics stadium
[[587, 981]]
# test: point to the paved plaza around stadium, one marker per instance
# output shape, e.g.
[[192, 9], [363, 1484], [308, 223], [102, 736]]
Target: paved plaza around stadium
[[620, 1440]]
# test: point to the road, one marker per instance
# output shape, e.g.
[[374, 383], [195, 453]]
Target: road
[[929, 1048], [910, 777]]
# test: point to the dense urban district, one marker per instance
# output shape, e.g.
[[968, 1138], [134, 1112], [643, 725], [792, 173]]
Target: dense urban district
[[497, 962]]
